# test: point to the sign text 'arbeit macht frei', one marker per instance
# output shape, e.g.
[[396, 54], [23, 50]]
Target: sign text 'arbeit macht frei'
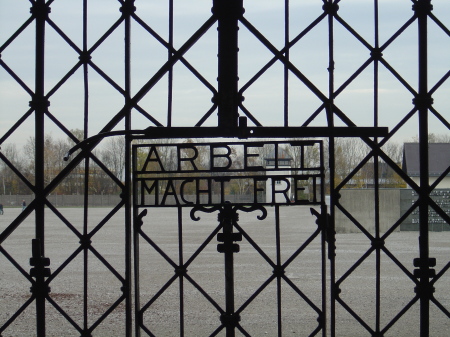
[[191, 174]]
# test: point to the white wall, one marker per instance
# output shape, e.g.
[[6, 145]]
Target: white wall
[[445, 183]]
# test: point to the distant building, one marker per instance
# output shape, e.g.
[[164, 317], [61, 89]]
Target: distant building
[[438, 162]]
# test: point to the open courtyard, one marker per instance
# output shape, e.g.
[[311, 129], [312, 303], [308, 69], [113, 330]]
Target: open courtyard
[[252, 269]]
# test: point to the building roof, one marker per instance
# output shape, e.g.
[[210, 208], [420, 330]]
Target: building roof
[[283, 160], [282, 155], [438, 159]]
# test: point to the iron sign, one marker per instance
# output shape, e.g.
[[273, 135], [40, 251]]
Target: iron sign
[[265, 173]]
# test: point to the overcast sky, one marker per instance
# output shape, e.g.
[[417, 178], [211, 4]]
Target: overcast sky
[[191, 98]]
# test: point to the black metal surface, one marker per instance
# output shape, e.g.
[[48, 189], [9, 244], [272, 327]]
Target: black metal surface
[[233, 118]]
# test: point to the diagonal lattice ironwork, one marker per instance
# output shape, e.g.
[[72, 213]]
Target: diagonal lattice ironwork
[[279, 268], [135, 107]]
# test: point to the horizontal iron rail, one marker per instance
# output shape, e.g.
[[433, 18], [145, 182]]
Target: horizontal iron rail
[[237, 132]]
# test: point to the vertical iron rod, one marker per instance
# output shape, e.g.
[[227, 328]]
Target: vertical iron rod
[[170, 72], [227, 217], [278, 249], [40, 105], [86, 167], [181, 263], [135, 234], [331, 162], [376, 179], [422, 13], [229, 278], [324, 237], [228, 13], [286, 69], [127, 11]]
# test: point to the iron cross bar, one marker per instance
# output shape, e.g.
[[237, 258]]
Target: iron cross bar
[[241, 132]]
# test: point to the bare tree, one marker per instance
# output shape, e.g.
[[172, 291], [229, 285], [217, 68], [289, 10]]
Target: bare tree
[[10, 182], [349, 152], [303, 156], [434, 138], [54, 151], [113, 156]]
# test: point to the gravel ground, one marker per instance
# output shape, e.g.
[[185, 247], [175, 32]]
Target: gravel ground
[[201, 318]]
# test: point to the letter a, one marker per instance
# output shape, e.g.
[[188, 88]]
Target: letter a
[[155, 159]]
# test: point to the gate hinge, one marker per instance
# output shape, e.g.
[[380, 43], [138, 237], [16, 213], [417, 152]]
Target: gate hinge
[[321, 319], [85, 241], [428, 290], [422, 7], [139, 222], [279, 271], [38, 103], [427, 263], [228, 245], [40, 10], [39, 262], [378, 243], [125, 287], [228, 9], [223, 248], [128, 8], [323, 222], [376, 54], [180, 271], [424, 270], [336, 290], [423, 101], [227, 215], [85, 57], [230, 319], [222, 237], [330, 8]]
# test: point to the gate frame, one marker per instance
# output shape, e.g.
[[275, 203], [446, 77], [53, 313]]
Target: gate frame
[[228, 218]]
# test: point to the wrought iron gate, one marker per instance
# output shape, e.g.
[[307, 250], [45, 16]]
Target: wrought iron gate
[[46, 92], [159, 183]]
